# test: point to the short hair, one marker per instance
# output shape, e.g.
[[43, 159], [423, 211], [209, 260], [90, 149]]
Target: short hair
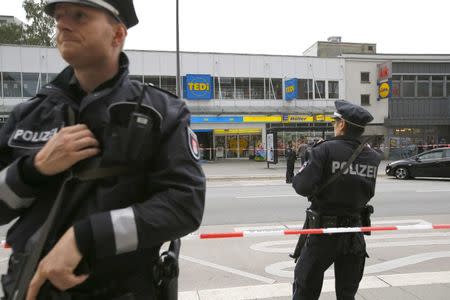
[[352, 130]]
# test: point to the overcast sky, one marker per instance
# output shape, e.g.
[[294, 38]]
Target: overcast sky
[[286, 27]]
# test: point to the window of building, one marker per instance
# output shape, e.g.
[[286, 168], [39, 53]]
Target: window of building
[[242, 88], [333, 89], [12, 85], [30, 84], [448, 86], [437, 86], [305, 89], [274, 88], [408, 86], [256, 88], [155, 80], [319, 89], [365, 100], [396, 85], [423, 86], [365, 77], [51, 77], [224, 87], [136, 77], [169, 83]]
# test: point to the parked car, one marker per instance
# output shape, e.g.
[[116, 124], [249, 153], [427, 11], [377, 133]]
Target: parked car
[[432, 163]]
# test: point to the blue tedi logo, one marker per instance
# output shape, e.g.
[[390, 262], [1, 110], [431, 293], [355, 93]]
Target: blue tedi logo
[[198, 87]]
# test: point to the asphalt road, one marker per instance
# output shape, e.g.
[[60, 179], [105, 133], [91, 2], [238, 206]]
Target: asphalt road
[[265, 201]]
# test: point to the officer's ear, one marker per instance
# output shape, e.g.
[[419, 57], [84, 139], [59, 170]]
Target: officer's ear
[[120, 33]]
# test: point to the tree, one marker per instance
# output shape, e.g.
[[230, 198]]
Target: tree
[[11, 34], [40, 30]]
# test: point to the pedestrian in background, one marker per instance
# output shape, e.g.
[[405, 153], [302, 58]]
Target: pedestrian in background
[[337, 200], [291, 156]]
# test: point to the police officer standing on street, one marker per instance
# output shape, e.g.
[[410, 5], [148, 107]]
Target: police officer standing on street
[[108, 233], [341, 202], [291, 156]]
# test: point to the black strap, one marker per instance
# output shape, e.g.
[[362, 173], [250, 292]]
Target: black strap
[[342, 170]]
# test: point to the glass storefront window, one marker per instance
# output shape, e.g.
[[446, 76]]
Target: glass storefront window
[[256, 88], [333, 89], [153, 80], [408, 89], [169, 83], [224, 87], [319, 89], [11, 85], [305, 90], [274, 89], [136, 77], [242, 88], [30, 84], [232, 147]]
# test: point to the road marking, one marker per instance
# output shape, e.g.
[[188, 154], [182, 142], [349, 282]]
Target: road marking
[[227, 269], [266, 196], [285, 289], [286, 268]]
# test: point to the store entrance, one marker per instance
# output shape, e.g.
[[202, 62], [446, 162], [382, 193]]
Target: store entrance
[[236, 145], [206, 143]]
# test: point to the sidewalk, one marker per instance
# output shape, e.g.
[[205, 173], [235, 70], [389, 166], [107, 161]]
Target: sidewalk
[[250, 169]]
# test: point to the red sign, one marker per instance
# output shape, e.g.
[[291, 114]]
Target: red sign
[[384, 71]]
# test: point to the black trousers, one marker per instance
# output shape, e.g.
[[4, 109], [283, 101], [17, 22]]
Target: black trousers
[[289, 171], [319, 253]]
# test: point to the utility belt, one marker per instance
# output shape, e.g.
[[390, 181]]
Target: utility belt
[[317, 220]]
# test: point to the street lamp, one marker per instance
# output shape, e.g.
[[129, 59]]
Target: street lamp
[[178, 81]]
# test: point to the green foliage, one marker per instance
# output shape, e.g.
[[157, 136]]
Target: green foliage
[[39, 31]]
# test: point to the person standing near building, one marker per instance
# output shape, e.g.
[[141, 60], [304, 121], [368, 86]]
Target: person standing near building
[[337, 203], [302, 150], [106, 240], [291, 156]]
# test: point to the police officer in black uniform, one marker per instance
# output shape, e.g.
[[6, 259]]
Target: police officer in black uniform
[[291, 156], [342, 203], [109, 231]]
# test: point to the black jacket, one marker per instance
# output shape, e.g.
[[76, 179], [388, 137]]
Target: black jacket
[[348, 194], [125, 218]]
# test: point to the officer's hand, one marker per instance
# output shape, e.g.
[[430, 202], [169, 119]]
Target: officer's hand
[[66, 148], [58, 266]]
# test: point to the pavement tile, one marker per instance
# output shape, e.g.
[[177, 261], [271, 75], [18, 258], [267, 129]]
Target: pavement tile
[[426, 292], [390, 293]]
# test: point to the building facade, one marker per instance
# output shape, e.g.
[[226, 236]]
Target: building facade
[[235, 99]]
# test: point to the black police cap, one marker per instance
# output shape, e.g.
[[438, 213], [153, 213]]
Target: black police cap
[[352, 113], [123, 10]]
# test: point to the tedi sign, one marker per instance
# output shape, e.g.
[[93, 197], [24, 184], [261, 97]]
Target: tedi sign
[[198, 87]]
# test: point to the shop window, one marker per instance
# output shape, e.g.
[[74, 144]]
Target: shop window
[[305, 90], [30, 84], [333, 89], [408, 88], [136, 77], [224, 88], [12, 85], [437, 86], [395, 88], [274, 88], [257, 88], [154, 80], [365, 100], [365, 77], [409, 78], [319, 89], [169, 83], [423, 86], [242, 88]]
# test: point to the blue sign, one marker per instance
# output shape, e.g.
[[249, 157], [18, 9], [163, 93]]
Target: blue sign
[[291, 89], [231, 119], [198, 87]]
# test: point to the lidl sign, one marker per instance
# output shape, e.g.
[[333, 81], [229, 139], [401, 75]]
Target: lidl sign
[[198, 87], [291, 89], [385, 89]]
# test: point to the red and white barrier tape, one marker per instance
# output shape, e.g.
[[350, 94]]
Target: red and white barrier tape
[[259, 233]]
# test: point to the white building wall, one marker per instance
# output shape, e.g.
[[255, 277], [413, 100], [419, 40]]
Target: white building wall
[[354, 90]]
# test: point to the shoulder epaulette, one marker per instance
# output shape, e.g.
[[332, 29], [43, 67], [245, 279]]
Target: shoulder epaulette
[[162, 90]]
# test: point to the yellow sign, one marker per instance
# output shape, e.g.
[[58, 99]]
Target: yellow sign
[[262, 119], [238, 131], [384, 90], [297, 119]]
